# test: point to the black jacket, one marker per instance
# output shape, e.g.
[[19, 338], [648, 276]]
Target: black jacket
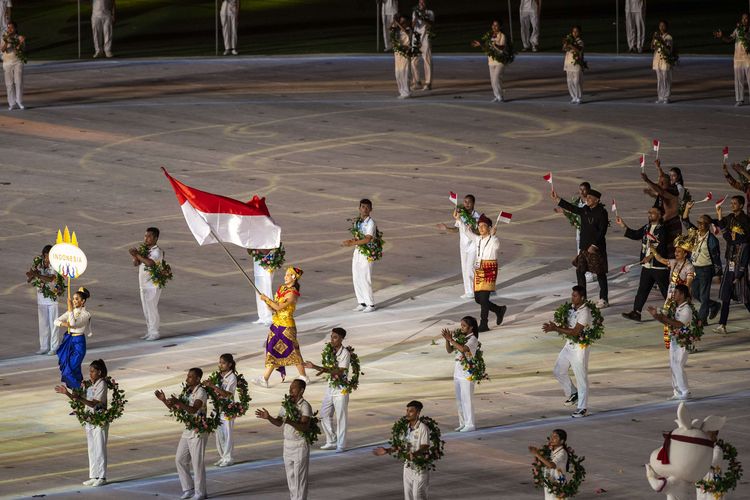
[[659, 232], [594, 224], [714, 249]]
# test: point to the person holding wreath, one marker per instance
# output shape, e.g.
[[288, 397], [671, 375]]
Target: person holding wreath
[[296, 446], [498, 55], [96, 436], [416, 480], [224, 433], [148, 255], [401, 46], [741, 39], [13, 48], [335, 401], [662, 44], [282, 348], [49, 286], [192, 447], [363, 257], [485, 267], [72, 349], [574, 63], [556, 466], [422, 20], [465, 343], [466, 248]]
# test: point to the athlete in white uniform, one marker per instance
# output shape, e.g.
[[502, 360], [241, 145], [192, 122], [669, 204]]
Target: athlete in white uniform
[[556, 466], [401, 57], [574, 71], [102, 20], [422, 20], [361, 266], [225, 431], [11, 43], [635, 11], [462, 381], [662, 68], [529, 13], [741, 57], [296, 448], [191, 450], [467, 249], [574, 355], [230, 17], [150, 293], [46, 306]]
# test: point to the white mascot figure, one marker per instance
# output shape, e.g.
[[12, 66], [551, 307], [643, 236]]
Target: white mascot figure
[[685, 456]]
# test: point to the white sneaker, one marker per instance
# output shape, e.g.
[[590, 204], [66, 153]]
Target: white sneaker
[[469, 428], [328, 446], [234, 52], [226, 52], [495, 100], [218, 463], [52, 353], [261, 382], [226, 463], [187, 494], [152, 337], [10, 108], [198, 496], [144, 337], [89, 482], [404, 96], [108, 55], [360, 307], [427, 87], [468, 296], [21, 106], [721, 329], [602, 304], [258, 322], [458, 429], [99, 482], [41, 351], [368, 309], [97, 54]]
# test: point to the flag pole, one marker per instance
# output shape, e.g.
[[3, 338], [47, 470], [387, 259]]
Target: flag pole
[[249, 280]]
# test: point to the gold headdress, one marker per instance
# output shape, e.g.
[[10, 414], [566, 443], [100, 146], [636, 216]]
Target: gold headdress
[[296, 270], [687, 241]]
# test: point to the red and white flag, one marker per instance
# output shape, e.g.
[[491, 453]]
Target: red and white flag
[[453, 197], [643, 162], [614, 206], [656, 146], [651, 237], [548, 177], [248, 225], [720, 202], [627, 268], [715, 230], [709, 197], [504, 217], [725, 152]]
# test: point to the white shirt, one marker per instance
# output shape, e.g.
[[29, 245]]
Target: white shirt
[[498, 41], [229, 383], [102, 8], [79, 320], [701, 256], [472, 342], [569, 65], [41, 299], [683, 314], [487, 246], [464, 242], [290, 433], [633, 5], [529, 5], [198, 393], [417, 437], [741, 57], [661, 64], [560, 458], [98, 392], [420, 26], [343, 359], [390, 7], [144, 278], [580, 316]]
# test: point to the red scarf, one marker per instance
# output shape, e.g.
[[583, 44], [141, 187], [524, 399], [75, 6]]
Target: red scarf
[[663, 455]]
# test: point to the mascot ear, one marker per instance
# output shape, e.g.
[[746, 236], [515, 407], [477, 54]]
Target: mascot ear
[[683, 419], [713, 423], [696, 423]]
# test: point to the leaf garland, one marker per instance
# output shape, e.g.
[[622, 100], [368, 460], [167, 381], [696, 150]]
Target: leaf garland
[[44, 288], [343, 382], [200, 422], [503, 56], [400, 446], [577, 50], [475, 364], [101, 416], [686, 336], [373, 250], [588, 335], [161, 272], [398, 47], [292, 413], [721, 484], [230, 408], [14, 43], [468, 218], [560, 487], [573, 219], [667, 53]]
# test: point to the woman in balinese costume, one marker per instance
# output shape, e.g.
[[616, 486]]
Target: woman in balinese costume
[[282, 348]]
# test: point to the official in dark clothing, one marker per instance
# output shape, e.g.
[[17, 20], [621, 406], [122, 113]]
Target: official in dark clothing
[[706, 259]]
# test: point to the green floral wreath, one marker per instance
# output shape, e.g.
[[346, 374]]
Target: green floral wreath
[[270, 261], [494, 53], [467, 218], [398, 47], [573, 219], [373, 250], [474, 364], [668, 55], [578, 59], [588, 335], [561, 488], [200, 422], [400, 448], [347, 385], [742, 38], [429, 31], [230, 408], [723, 483], [44, 288], [161, 272], [100, 417], [686, 336], [14, 43], [291, 412]]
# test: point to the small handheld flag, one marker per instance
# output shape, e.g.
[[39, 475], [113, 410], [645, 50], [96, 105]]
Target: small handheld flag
[[643, 162], [720, 202], [725, 152], [548, 178], [614, 207], [656, 147], [453, 197], [709, 196], [651, 237], [504, 217]]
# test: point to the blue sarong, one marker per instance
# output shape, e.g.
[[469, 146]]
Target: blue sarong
[[70, 355]]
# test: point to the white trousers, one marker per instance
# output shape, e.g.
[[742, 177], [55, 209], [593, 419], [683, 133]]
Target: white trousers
[[416, 74], [224, 439], [14, 82], [529, 29], [577, 358], [575, 79], [464, 401], [496, 79], [297, 465], [468, 255], [96, 438], [150, 303], [190, 454], [636, 30], [49, 339], [362, 278], [101, 26], [334, 408], [387, 21], [663, 83], [416, 484], [228, 27], [741, 78], [678, 357], [264, 281], [401, 64]]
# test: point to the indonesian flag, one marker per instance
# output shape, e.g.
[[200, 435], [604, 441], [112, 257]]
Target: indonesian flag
[[656, 145], [248, 225], [453, 197], [614, 206], [715, 230], [626, 269], [725, 152], [651, 237], [721, 201], [504, 217], [643, 161], [548, 177], [709, 197]]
